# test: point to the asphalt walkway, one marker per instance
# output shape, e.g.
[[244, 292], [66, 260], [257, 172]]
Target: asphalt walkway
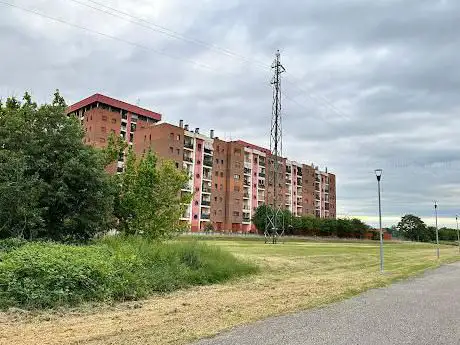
[[419, 311]]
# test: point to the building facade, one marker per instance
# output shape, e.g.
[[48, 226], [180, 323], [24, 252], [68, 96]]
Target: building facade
[[228, 179]]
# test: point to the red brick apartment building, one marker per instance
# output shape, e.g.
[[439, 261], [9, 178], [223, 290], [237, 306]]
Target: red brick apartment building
[[228, 179]]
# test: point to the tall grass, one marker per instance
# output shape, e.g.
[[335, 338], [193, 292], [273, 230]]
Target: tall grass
[[45, 275]]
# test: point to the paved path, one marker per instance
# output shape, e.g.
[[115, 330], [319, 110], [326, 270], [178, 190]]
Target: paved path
[[419, 311]]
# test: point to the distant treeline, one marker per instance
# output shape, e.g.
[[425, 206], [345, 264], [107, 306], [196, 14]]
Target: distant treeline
[[311, 226]]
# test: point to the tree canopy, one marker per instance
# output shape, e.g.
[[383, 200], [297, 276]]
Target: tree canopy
[[52, 185], [413, 228]]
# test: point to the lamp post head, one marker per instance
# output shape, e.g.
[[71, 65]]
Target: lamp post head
[[435, 204], [378, 173]]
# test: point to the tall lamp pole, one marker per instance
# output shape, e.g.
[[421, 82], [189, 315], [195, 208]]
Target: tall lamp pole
[[437, 232], [378, 174], [458, 234]]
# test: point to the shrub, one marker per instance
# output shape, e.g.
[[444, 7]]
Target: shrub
[[44, 275]]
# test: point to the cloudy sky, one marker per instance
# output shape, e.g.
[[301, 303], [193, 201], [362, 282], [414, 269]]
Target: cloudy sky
[[369, 84]]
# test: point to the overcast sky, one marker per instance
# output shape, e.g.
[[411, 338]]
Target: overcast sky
[[369, 84]]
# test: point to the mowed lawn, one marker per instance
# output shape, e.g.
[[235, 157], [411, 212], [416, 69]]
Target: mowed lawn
[[294, 276]]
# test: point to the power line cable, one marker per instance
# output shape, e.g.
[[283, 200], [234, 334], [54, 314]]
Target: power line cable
[[166, 31], [55, 19], [176, 35], [170, 33]]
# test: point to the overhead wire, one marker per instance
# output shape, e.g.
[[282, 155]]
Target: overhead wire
[[176, 35], [84, 28], [164, 30], [170, 33]]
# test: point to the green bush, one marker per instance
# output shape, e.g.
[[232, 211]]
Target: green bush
[[9, 244], [44, 275]]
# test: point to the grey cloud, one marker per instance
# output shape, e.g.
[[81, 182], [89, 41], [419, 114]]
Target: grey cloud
[[369, 84]]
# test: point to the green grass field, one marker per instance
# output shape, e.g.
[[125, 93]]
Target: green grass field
[[293, 276]]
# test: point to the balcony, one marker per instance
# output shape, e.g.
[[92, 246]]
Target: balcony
[[262, 162], [246, 218], [188, 159], [245, 195], [288, 169], [207, 161], [246, 182], [188, 144], [207, 151], [262, 175], [187, 186], [206, 203], [205, 216], [261, 185], [247, 171], [206, 190]]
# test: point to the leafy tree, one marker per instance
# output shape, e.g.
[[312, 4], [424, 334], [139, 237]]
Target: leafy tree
[[413, 228], [51, 184], [149, 200], [259, 219]]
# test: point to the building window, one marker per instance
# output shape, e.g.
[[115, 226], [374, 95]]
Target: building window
[[217, 173], [215, 185], [114, 120], [177, 164], [178, 152], [222, 161], [197, 189], [236, 177], [215, 198], [217, 161], [218, 148], [87, 119], [237, 165], [178, 137], [220, 212], [133, 127], [104, 118], [171, 149], [221, 174], [150, 137], [171, 135], [236, 213]]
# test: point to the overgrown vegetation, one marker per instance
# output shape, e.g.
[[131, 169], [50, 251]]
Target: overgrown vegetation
[[311, 226], [54, 188], [44, 275]]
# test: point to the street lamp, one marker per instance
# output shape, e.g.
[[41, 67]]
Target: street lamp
[[437, 233], [378, 174], [458, 234]]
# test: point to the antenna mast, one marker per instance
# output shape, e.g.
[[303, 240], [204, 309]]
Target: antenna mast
[[274, 225]]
